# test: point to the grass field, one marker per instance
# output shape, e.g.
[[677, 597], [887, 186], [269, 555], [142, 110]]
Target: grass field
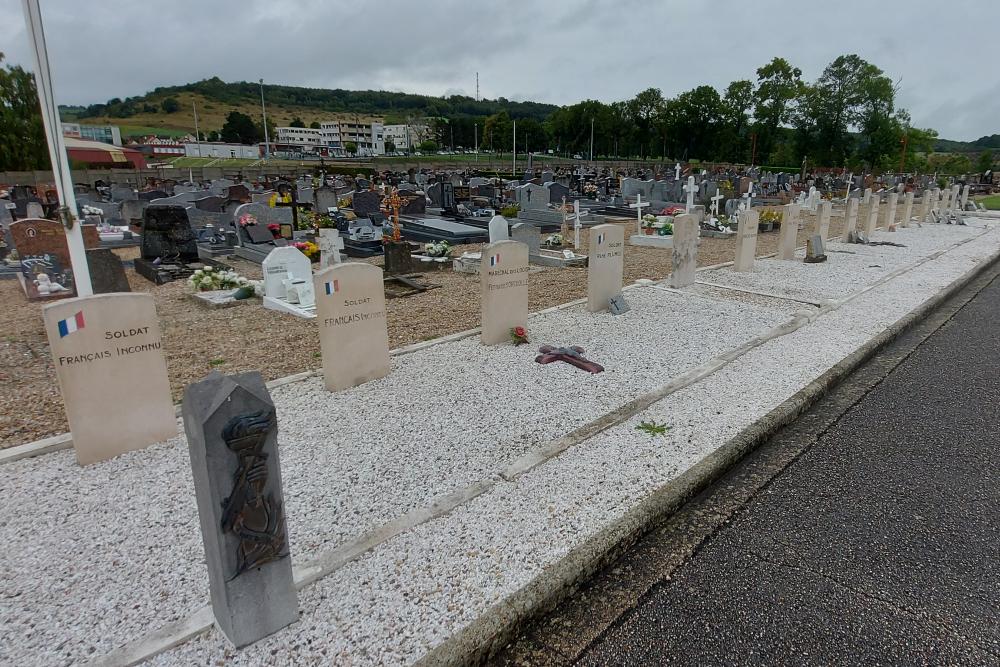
[[992, 202]]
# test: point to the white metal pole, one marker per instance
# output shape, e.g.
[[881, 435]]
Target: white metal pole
[[57, 149], [475, 130], [263, 113]]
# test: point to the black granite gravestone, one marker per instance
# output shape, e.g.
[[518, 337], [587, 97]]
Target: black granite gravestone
[[107, 274]]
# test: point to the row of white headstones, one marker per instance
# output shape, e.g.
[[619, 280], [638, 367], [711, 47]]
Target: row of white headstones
[[111, 344]]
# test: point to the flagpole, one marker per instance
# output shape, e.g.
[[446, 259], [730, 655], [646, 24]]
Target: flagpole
[[57, 149]]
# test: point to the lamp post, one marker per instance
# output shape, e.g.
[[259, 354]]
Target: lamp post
[[591, 139], [263, 113]]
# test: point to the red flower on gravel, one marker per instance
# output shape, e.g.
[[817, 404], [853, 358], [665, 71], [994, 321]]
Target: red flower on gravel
[[520, 331]]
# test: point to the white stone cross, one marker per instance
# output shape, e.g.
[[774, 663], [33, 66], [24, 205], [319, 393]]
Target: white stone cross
[[715, 203], [638, 206], [690, 189], [577, 218], [330, 245], [850, 181], [677, 171]]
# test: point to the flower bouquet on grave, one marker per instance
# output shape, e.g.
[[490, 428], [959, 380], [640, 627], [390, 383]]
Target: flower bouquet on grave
[[247, 219], [211, 278], [309, 249], [437, 249], [275, 229], [769, 219], [664, 228], [553, 241], [518, 336]]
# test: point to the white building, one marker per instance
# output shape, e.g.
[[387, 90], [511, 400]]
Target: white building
[[304, 139], [403, 137], [108, 134], [218, 149], [369, 137]]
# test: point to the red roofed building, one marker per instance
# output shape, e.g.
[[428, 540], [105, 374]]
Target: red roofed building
[[98, 154]]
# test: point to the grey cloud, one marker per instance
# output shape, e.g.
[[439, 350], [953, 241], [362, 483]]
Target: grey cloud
[[559, 51]]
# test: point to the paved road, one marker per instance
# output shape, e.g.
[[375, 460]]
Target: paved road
[[868, 532]]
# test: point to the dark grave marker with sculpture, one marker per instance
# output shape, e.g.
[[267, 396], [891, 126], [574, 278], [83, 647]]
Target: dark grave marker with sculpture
[[232, 435]]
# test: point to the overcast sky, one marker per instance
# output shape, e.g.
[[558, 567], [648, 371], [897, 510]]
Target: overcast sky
[[558, 51]]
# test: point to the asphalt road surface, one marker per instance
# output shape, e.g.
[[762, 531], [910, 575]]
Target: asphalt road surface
[[865, 533]]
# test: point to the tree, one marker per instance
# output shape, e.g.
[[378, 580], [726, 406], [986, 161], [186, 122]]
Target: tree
[[240, 129], [985, 162], [22, 136], [778, 87], [213, 136], [390, 147], [351, 147], [736, 105], [314, 125], [169, 105], [498, 132], [296, 122], [644, 110], [429, 146]]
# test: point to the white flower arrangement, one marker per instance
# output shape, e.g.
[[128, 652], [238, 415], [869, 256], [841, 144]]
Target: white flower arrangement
[[554, 240], [437, 249], [211, 278], [91, 210], [649, 217]]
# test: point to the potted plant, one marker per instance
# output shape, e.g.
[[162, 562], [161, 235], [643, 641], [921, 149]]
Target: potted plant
[[648, 224], [664, 228]]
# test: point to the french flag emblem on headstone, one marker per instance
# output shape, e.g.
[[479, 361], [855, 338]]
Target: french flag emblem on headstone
[[495, 260], [70, 324], [333, 287]]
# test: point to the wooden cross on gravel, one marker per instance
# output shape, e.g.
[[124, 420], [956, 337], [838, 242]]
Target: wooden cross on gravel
[[571, 355]]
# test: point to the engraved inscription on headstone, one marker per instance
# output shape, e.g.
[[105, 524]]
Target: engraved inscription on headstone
[[606, 265], [110, 345], [504, 290], [353, 334]]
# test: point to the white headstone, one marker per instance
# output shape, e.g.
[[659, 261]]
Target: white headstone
[[353, 333], [746, 241], [788, 233], [907, 210], [498, 229], [503, 276], [330, 245], [872, 222], [606, 265], [112, 373], [685, 251], [890, 214], [965, 197], [278, 264], [822, 220], [850, 219]]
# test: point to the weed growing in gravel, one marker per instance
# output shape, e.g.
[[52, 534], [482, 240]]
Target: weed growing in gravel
[[652, 428], [216, 362]]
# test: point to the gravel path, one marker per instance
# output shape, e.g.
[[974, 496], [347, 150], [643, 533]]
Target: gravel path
[[248, 337], [420, 589], [119, 547]]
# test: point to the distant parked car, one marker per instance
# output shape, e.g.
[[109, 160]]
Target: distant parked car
[[577, 156]]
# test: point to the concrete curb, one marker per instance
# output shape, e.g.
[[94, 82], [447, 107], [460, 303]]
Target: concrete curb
[[490, 632]]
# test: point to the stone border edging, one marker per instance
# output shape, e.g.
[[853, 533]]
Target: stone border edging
[[500, 624]]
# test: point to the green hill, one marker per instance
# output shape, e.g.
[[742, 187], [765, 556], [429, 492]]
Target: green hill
[[216, 98]]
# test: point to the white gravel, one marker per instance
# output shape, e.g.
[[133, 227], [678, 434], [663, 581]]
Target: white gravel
[[96, 556], [849, 267]]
